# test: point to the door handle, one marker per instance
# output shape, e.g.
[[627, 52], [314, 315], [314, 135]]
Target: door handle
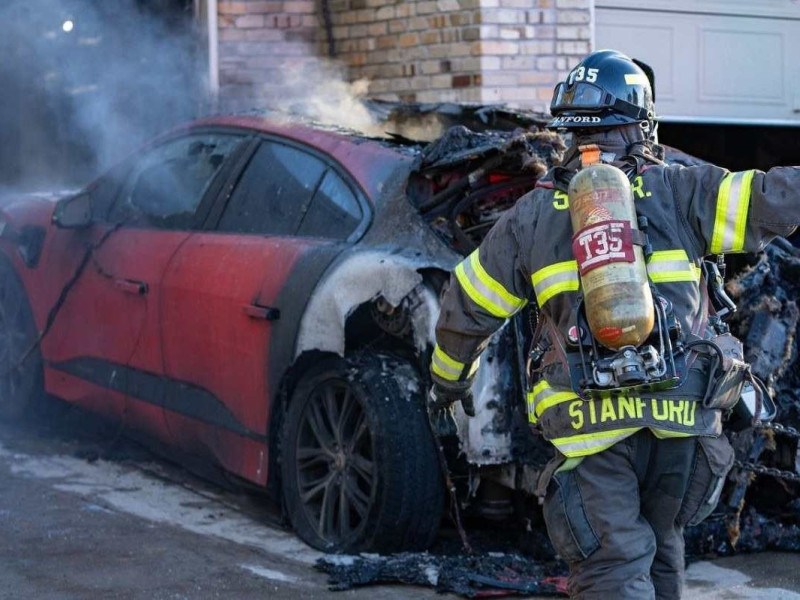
[[258, 311], [131, 286]]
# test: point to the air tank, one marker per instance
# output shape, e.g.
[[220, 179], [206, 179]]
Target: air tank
[[616, 291]]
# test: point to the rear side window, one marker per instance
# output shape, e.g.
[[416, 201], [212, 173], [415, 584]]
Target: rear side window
[[334, 211], [273, 192]]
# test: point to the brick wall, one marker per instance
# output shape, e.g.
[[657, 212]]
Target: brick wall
[[427, 50], [511, 51], [263, 46], [527, 46]]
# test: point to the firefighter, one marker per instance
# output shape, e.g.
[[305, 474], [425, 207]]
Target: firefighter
[[632, 467]]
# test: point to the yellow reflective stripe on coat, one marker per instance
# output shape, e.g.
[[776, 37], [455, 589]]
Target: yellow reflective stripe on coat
[[669, 266], [545, 397], [531, 409], [664, 434], [730, 219], [591, 443], [448, 368], [555, 279], [484, 290]]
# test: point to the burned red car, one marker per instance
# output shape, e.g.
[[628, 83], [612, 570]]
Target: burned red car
[[262, 296]]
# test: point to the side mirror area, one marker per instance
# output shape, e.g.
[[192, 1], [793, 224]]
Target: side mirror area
[[74, 212]]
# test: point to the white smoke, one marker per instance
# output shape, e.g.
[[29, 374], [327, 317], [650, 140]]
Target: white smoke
[[85, 82], [320, 92]]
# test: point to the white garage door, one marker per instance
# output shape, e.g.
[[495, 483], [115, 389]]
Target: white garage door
[[715, 60]]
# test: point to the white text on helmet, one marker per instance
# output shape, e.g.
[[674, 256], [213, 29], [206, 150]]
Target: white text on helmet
[[580, 73], [579, 119]]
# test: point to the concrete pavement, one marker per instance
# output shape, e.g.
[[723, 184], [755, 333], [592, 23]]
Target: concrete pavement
[[76, 527]]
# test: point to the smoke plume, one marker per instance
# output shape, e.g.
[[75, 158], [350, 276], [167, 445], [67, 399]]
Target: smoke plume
[[85, 82]]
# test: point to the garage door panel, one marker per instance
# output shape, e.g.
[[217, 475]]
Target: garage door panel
[[664, 44], [657, 50], [738, 64], [751, 8], [710, 67]]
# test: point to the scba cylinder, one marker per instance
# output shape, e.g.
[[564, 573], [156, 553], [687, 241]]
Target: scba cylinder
[[617, 297]]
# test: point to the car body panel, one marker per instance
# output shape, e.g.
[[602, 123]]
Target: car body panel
[[109, 322], [186, 362], [219, 309]]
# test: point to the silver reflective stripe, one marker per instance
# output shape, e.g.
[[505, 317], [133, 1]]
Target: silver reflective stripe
[[444, 366], [555, 279], [545, 397], [484, 290], [730, 218], [667, 266], [591, 443]]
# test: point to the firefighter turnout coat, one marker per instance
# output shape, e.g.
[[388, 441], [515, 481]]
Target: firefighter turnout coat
[[527, 257]]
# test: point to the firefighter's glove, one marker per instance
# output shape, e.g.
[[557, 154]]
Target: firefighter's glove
[[443, 396]]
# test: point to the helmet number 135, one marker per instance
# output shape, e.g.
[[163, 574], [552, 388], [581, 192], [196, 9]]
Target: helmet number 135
[[583, 74]]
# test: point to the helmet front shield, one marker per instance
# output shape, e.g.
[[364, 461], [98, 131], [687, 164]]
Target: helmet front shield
[[588, 97]]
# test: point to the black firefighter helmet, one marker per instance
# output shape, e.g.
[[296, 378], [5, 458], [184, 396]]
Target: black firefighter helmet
[[605, 89]]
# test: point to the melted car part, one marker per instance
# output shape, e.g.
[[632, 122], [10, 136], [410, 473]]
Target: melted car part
[[360, 279], [394, 320], [756, 533], [486, 438], [420, 121], [764, 516], [767, 321], [467, 179], [480, 575]]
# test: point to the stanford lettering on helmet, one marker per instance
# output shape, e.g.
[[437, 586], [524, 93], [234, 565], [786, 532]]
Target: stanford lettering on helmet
[[577, 119]]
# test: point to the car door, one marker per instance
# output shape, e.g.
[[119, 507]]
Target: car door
[[223, 327], [104, 347]]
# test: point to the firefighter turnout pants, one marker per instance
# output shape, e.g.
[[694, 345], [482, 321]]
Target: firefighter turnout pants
[[617, 517]]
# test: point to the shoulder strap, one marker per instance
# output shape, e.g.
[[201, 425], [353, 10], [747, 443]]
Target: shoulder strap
[[634, 163], [561, 178]]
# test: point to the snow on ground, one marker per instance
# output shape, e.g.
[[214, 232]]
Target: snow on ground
[[135, 492]]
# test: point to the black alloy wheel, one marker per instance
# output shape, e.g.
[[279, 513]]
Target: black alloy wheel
[[336, 471], [358, 465]]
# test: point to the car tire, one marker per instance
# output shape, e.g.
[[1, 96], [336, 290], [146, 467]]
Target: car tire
[[21, 377], [372, 482]]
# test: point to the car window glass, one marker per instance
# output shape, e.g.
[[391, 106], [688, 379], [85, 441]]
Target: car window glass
[[273, 192], [334, 211], [104, 190], [167, 185]]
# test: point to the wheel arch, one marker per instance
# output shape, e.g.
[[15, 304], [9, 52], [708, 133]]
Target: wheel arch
[[332, 318]]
